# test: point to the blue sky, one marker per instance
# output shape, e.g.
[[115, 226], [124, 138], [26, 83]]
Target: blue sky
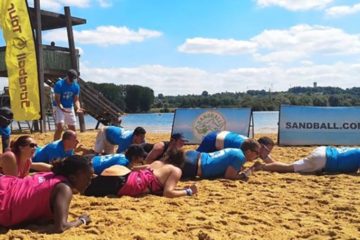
[[189, 46]]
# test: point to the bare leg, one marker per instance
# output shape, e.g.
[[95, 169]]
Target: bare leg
[[58, 131], [275, 167], [71, 127]]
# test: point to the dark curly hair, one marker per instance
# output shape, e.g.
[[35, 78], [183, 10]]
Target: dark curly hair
[[70, 165]]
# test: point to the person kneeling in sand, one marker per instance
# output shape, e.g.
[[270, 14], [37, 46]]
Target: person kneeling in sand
[[159, 178], [322, 159], [226, 163], [110, 136], [45, 196], [218, 140]]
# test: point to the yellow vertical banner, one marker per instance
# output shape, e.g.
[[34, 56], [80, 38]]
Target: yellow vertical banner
[[20, 57]]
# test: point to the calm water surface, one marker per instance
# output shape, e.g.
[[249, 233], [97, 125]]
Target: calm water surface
[[264, 122]]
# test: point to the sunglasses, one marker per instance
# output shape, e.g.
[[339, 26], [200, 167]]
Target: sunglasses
[[266, 148], [32, 145]]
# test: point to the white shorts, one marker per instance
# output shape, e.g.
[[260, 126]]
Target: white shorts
[[314, 162], [102, 144], [64, 117], [220, 139]]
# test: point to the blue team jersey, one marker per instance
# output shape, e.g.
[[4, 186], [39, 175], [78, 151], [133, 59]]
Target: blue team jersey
[[5, 131], [215, 164], [51, 152], [344, 160], [67, 92], [214, 141], [119, 136], [101, 162]]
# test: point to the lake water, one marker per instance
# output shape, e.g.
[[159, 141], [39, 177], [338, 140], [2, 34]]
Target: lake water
[[264, 122]]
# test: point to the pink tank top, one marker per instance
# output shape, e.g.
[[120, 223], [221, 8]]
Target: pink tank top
[[23, 172], [26, 199], [140, 182]]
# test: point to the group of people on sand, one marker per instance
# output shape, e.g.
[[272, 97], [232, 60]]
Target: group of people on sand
[[133, 169], [141, 168]]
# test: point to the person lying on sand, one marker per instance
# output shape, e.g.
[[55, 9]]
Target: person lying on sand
[[134, 155], [159, 178], [58, 149], [322, 159], [218, 140], [45, 196], [225, 163], [157, 150], [17, 162]]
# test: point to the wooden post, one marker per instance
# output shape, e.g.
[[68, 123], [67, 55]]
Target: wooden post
[[73, 56], [40, 66]]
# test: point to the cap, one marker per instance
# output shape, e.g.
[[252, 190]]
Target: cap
[[177, 136], [6, 116], [72, 73]]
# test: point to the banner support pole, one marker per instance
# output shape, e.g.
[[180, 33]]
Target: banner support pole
[[40, 64]]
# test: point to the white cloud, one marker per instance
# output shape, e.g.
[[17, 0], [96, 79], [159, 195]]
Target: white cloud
[[183, 80], [104, 35], [339, 11], [295, 5], [105, 3], [304, 41], [299, 42], [217, 46]]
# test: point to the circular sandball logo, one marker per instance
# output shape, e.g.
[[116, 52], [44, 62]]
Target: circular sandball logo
[[19, 43], [207, 122]]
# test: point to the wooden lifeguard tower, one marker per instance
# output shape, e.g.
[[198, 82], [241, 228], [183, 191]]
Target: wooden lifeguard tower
[[54, 62]]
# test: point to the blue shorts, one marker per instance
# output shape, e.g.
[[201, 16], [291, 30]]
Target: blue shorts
[[208, 144]]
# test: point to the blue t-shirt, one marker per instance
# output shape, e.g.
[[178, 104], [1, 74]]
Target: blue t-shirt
[[214, 164], [119, 136], [228, 140], [344, 160], [5, 131], [101, 162], [51, 152], [67, 92]]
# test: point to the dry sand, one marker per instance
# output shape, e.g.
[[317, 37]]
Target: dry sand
[[268, 206]]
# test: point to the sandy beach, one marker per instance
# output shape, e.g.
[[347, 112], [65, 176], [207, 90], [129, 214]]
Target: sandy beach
[[268, 206]]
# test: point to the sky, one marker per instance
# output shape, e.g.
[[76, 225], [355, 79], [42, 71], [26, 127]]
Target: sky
[[179, 47]]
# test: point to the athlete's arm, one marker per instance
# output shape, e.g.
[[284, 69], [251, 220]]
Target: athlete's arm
[[61, 198]]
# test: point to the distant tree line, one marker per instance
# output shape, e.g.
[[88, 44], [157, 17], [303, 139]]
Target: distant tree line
[[130, 98], [263, 100], [135, 99]]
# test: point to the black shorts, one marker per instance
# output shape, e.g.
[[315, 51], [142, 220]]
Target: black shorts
[[190, 167], [102, 186]]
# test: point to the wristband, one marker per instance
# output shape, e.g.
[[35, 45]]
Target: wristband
[[189, 192], [83, 220]]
